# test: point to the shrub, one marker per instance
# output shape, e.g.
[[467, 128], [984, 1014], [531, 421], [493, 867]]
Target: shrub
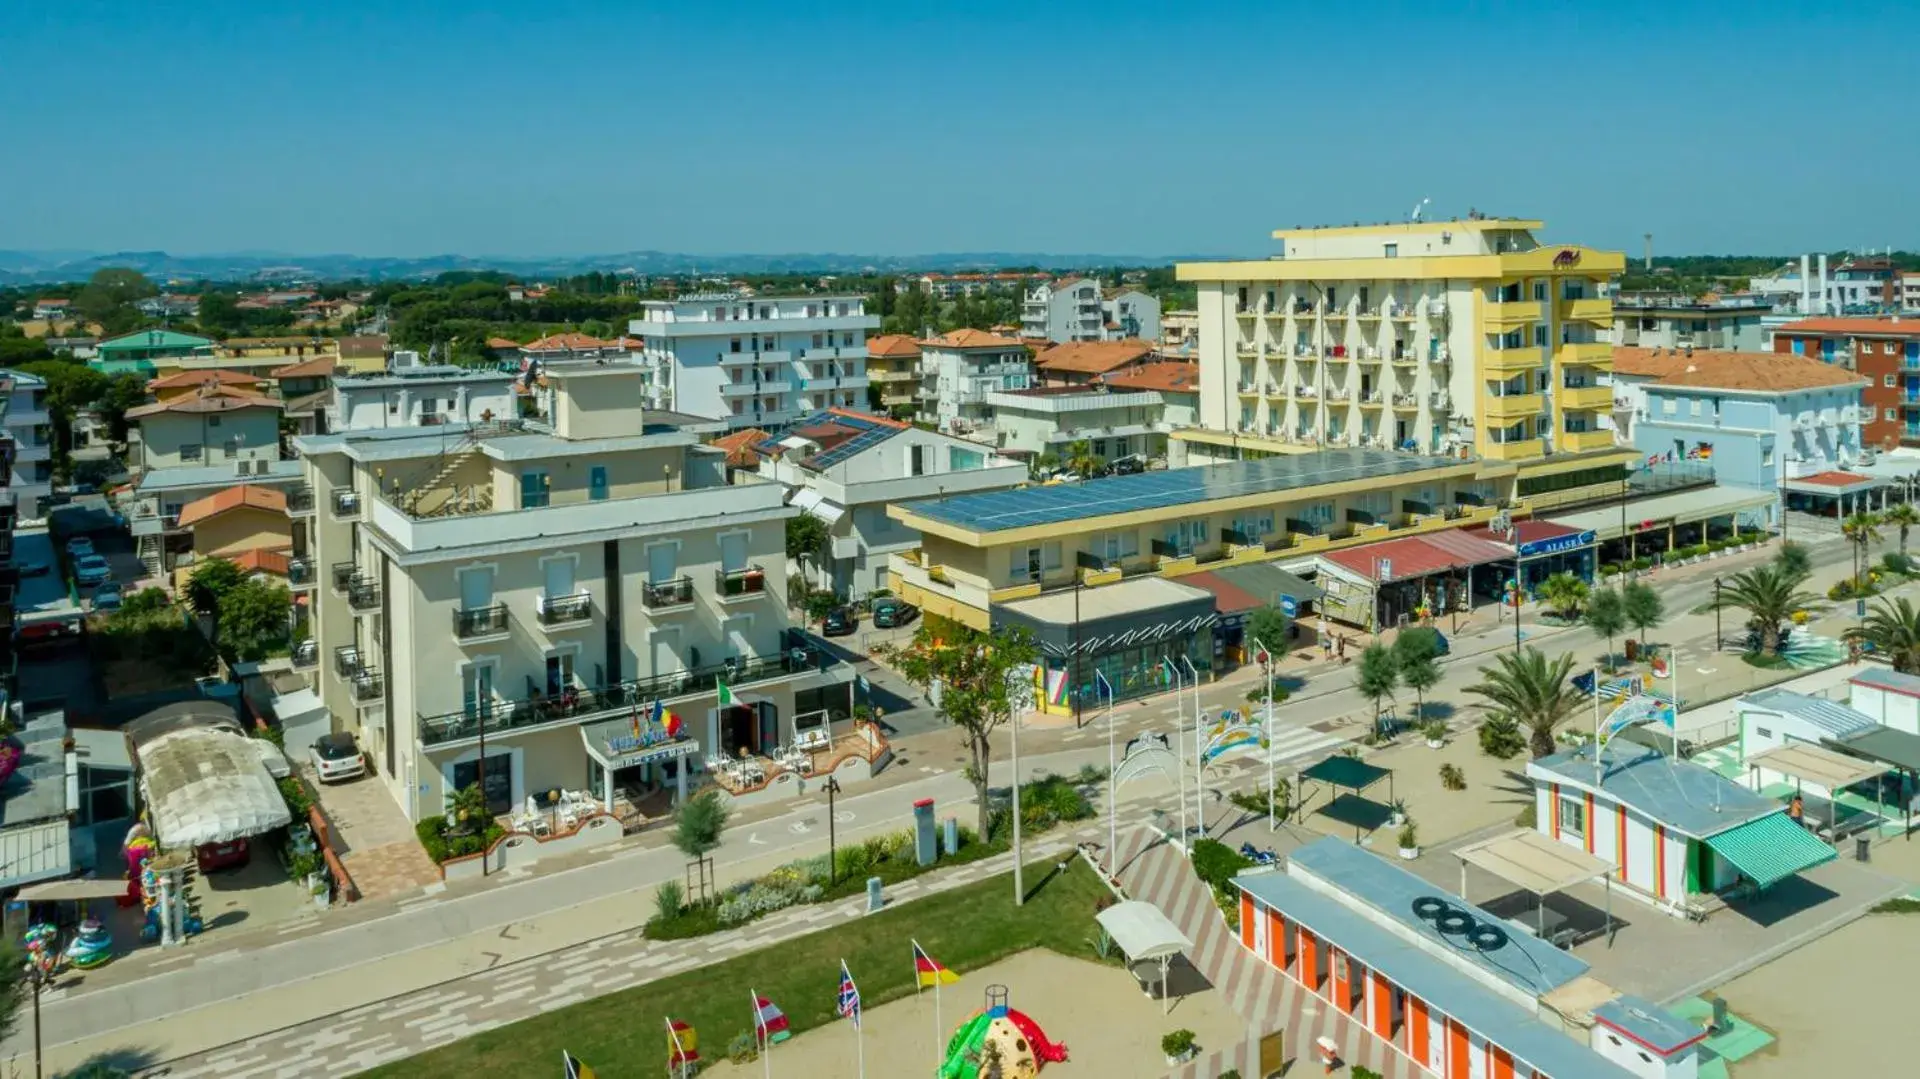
[[1436, 731], [1528, 817], [1609, 569], [1409, 835], [1642, 563], [668, 899], [851, 863], [299, 799], [1365, 1073], [1177, 1043], [1500, 737], [743, 1048], [1255, 801], [1452, 778], [432, 833], [1102, 945], [1895, 562], [1216, 863]]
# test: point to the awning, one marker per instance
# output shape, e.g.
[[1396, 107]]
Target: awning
[[73, 890], [207, 785], [1141, 931], [1417, 556], [1352, 773], [1815, 765], [38, 851], [1770, 849], [1534, 862], [814, 504], [1888, 745], [614, 745]]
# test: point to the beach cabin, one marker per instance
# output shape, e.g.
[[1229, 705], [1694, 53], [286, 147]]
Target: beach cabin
[[1889, 698], [1673, 829], [1774, 718]]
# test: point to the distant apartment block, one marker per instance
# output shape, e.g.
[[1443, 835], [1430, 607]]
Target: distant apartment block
[[959, 371], [757, 361], [1884, 351], [1864, 286], [1659, 322], [942, 286], [28, 427], [1078, 309], [893, 369], [423, 396]]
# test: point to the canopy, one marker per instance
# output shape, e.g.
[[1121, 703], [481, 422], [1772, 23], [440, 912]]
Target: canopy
[[1533, 861], [73, 890], [208, 785], [1770, 849], [1815, 765], [1141, 931], [1352, 773], [1889, 745]]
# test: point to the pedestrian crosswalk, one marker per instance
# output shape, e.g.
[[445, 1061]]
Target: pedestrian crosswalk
[[1291, 745]]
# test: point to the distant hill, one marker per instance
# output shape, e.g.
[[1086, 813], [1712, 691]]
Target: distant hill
[[29, 267]]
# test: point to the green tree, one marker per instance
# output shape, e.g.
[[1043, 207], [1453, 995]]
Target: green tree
[[121, 393], [1270, 627], [1794, 558], [1080, 459], [211, 582], [1861, 529], [1642, 606], [913, 313], [1902, 516], [976, 673], [467, 810], [806, 538], [254, 619], [1418, 660], [111, 291], [1378, 677], [698, 825], [1607, 616], [1565, 593], [818, 604], [1530, 691], [1769, 594], [1892, 627]]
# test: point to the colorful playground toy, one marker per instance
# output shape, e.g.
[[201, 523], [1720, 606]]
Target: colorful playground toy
[[1021, 1047], [93, 947]]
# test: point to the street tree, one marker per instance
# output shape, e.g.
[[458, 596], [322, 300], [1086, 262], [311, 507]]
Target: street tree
[[1270, 626], [1417, 657], [120, 393], [1642, 606], [1861, 529], [975, 672], [1892, 627], [1565, 593], [1531, 691], [1903, 517], [1378, 677], [210, 583], [806, 538], [697, 828], [1770, 595], [253, 620], [1080, 459], [1794, 558], [1607, 616]]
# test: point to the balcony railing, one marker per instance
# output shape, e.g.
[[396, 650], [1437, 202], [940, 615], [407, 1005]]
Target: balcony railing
[[561, 610], [299, 500], [734, 583], [366, 687], [306, 655], [363, 595], [343, 574], [471, 622], [656, 595], [347, 661], [800, 655], [299, 572], [346, 504]]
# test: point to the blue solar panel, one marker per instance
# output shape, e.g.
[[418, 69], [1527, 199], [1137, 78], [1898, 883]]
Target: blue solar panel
[[871, 433], [1029, 506]]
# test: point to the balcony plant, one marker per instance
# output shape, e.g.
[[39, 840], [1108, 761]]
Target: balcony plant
[[1178, 1046]]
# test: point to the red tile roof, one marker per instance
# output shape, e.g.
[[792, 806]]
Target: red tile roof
[[215, 377], [314, 368], [1419, 556], [1229, 598], [1760, 372], [740, 446], [970, 339], [1646, 362], [564, 342], [1170, 375], [262, 560], [1526, 532], [209, 399], [1093, 357], [893, 346], [233, 498], [1832, 479], [1867, 327]]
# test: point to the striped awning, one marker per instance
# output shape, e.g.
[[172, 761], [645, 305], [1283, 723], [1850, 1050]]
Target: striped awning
[[1770, 849]]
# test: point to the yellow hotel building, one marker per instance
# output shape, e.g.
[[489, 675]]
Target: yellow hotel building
[[1465, 339]]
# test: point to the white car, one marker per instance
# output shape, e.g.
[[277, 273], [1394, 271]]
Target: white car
[[336, 757]]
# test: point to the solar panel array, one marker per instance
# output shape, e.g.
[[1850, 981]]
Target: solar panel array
[[1030, 506], [871, 434]]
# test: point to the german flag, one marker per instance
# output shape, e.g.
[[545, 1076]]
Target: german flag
[[575, 1069]]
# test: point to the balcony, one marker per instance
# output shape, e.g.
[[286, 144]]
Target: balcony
[[479, 623], [306, 655], [748, 582], [1249, 389], [1372, 400], [559, 612], [1501, 362], [346, 505], [754, 359], [660, 596], [300, 501], [1587, 309], [149, 521], [1513, 313], [300, 573], [1586, 397], [801, 654], [1585, 353], [367, 687], [343, 574], [363, 595], [1520, 449], [756, 387], [347, 662], [1406, 402], [1585, 441], [834, 352], [1513, 406]]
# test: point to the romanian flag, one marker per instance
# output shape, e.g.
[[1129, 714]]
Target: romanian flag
[[929, 972], [575, 1069], [683, 1045], [769, 1022]]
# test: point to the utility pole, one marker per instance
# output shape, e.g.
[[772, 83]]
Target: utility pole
[[833, 788]]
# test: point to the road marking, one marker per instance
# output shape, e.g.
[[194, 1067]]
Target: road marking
[[754, 839], [800, 827]]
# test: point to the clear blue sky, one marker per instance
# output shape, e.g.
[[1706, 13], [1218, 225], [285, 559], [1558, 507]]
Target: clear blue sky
[[401, 128]]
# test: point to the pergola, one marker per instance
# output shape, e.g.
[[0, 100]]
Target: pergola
[[1538, 865], [1341, 771], [1806, 762], [1144, 935], [1898, 749]]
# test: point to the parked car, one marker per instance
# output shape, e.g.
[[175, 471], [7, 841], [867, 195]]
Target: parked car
[[1129, 466], [92, 569], [839, 622], [79, 547], [229, 855], [336, 757], [889, 613], [107, 597]]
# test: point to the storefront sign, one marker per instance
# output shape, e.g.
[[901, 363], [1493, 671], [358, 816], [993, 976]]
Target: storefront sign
[[1289, 606], [685, 747], [1556, 545]]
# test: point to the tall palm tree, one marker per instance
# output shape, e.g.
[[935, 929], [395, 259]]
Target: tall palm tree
[[1565, 593], [1531, 691], [1862, 528], [1892, 627], [1769, 594], [1080, 459], [1904, 517]]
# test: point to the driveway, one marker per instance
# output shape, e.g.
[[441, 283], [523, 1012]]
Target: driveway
[[374, 840]]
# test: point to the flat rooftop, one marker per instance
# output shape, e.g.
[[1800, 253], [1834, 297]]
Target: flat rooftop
[[221, 475], [1135, 595], [1028, 507], [515, 440], [1682, 795]]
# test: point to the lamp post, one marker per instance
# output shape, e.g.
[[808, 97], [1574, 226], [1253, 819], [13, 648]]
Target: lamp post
[[1019, 887], [1113, 790], [1266, 724], [833, 873], [1180, 764], [1199, 779]]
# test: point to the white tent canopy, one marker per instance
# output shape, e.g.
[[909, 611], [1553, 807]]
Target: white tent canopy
[[208, 785], [1144, 935]]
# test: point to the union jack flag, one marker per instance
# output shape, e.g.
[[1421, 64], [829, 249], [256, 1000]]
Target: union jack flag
[[849, 996]]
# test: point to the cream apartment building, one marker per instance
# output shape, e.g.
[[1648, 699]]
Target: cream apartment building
[[537, 586], [1465, 338]]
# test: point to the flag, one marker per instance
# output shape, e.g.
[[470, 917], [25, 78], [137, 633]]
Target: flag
[[683, 1044], [633, 720], [929, 972], [575, 1069], [769, 1022], [723, 694], [849, 1004], [656, 713]]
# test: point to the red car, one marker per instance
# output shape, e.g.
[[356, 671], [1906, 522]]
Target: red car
[[229, 855]]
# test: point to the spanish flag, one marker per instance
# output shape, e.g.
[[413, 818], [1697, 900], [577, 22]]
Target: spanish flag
[[575, 1069], [683, 1045], [929, 972]]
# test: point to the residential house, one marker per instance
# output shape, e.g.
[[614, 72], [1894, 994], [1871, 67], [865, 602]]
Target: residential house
[[306, 389], [1885, 351], [893, 369], [186, 384], [1083, 363], [210, 423], [52, 307], [29, 436], [1460, 337], [160, 497], [263, 355], [245, 521], [1129, 313], [538, 587], [1065, 310], [756, 361], [958, 371], [1047, 421], [168, 305], [1727, 323], [422, 396], [1761, 418], [365, 354], [846, 468], [142, 351], [1180, 334], [79, 346]]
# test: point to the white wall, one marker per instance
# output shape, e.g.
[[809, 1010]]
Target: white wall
[[1896, 710]]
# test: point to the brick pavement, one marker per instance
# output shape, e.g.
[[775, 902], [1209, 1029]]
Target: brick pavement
[[391, 869]]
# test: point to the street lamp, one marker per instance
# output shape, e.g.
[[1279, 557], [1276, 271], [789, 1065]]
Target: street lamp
[[833, 788], [1180, 766], [1199, 753], [1265, 658]]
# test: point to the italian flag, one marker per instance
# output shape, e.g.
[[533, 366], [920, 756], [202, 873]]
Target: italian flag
[[723, 694]]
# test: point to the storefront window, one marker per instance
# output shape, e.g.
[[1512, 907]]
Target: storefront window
[[499, 780]]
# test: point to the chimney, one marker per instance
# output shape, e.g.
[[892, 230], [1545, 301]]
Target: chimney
[[1806, 287], [1823, 284]]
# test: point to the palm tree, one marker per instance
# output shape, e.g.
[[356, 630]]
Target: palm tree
[[1862, 528], [1769, 594], [1080, 459], [1565, 593], [1793, 558], [467, 809], [1903, 517], [1893, 629], [1531, 691]]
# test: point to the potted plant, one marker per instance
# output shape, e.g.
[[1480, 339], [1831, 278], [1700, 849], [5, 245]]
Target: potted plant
[[1409, 841], [1178, 1046], [322, 892], [1436, 734], [1399, 814]]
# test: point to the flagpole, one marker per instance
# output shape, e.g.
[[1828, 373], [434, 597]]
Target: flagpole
[[760, 1033], [1113, 826], [1596, 726], [938, 1026]]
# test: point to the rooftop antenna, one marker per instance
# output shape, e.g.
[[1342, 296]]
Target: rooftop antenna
[[1647, 256], [1417, 208]]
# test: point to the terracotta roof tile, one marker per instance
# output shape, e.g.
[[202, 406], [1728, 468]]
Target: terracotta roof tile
[[893, 346], [1868, 327], [364, 346], [970, 339], [564, 342], [740, 446], [1757, 372], [1166, 375], [233, 498], [209, 399], [314, 368], [218, 377], [262, 560], [1832, 479], [1646, 362], [1094, 357]]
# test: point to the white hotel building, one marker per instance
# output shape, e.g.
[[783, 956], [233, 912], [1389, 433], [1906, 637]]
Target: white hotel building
[[534, 585], [757, 361]]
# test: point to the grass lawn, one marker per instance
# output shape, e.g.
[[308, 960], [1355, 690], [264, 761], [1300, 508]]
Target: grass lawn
[[624, 1033]]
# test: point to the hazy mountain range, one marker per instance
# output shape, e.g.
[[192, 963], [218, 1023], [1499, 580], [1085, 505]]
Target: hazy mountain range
[[31, 267]]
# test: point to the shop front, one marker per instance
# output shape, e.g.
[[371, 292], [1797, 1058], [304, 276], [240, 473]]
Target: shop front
[[1546, 548], [642, 762], [1138, 634], [1402, 581]]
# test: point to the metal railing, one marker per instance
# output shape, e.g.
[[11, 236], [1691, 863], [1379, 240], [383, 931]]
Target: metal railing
[[366, 686], [343, 574], [299, 572], [347, 662], [362, 594], [559, 610], [299, 499], [479, 621], [306, 654], [746, 581], [346, 504], [674, 593], [802, 654]]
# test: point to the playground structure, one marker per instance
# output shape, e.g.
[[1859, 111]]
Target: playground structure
[[998, 1042]]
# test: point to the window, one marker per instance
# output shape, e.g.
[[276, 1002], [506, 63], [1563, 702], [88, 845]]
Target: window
[[393, 408], [213, 421], [1050, 556], [1668, 406], [1540, 336], [1766, 456], [1573, 817], [1540, 290], [1887, 381], [1694, 406], [190, 452], [597, 483], [1392, 251], [1892, 414], [733, 345], [1763, 732], [916, 461]]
